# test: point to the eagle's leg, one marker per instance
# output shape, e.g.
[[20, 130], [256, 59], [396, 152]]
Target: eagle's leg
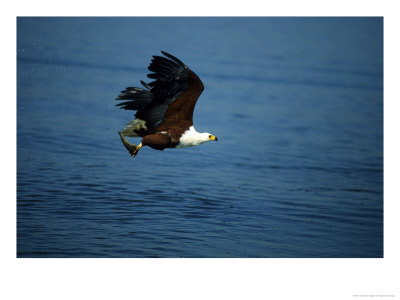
[[134, 153], [133, 150]]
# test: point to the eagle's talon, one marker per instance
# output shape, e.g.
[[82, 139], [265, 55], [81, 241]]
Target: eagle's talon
[[132, 152]]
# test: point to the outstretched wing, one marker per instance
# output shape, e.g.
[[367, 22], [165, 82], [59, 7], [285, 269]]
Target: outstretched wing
[[169, 99]]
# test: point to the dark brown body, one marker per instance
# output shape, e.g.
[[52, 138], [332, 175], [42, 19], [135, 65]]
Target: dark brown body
[[160, 141]]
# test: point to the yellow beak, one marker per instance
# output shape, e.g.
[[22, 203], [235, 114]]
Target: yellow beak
[[213, 138]]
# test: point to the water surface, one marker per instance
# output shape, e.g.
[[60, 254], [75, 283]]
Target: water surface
[[296, 103]]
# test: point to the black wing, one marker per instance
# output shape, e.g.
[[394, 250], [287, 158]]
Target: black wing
[[172, 79]]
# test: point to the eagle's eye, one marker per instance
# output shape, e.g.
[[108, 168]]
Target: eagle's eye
[[209, 136]]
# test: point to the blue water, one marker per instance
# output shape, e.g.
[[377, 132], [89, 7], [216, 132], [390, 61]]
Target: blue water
[[297, 106]]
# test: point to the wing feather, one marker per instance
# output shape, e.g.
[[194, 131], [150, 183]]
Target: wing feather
[[170, 98]]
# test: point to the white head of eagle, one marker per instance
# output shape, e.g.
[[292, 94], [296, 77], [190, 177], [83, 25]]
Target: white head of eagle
[[192, 138], [164, 107]]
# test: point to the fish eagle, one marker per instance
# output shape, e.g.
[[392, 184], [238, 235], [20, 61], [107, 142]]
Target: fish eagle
[[164, 107]]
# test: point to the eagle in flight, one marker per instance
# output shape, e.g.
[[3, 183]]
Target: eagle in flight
[[164, 107]]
